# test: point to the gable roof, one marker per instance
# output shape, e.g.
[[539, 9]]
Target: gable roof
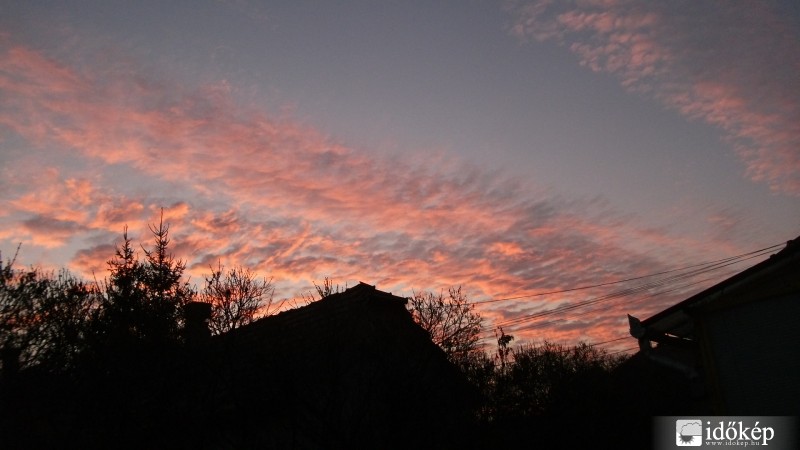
[[350, 370], [333, 308]]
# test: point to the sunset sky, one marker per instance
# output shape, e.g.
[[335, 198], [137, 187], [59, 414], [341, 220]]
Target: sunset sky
[[513, 148]]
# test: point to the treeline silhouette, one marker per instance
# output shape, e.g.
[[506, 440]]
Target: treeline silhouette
[[53, 322], [82, 351]]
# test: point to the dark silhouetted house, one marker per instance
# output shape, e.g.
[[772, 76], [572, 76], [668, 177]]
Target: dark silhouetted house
[[733, 346], [352, 370]]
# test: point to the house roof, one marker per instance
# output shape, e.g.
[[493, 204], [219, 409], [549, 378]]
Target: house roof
[[327, 310], [677, 320], [352, 369]]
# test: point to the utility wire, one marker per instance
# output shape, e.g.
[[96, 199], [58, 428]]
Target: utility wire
[[623, 350], [589, 311], [593, 304], [572, 348], [609, 341], [561, 291], [703, 268], [614, 295]]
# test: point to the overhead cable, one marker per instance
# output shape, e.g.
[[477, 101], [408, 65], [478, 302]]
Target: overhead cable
[[699, 269], [609, 283]]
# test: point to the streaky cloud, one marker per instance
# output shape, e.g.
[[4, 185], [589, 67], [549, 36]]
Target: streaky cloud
[[285, 199], [732, 65]]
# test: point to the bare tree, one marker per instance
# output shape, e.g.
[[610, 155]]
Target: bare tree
[[43, 316], [327, 288], [237, 296], [450, 320]]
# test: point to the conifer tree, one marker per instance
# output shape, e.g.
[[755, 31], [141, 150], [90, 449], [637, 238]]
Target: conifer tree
[[144, 298]]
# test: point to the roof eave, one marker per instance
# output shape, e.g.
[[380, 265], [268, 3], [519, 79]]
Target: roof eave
[[682, 311]]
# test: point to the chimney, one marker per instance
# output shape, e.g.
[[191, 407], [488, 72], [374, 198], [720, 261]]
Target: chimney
[[197, 315]]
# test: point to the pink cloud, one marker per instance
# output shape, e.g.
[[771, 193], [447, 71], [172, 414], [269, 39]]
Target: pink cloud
[[92, 261], [241, 187], [62, 200], [731, 65], [48, 232]]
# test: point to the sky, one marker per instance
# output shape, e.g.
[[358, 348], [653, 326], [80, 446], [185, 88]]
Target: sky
[[514, 148]]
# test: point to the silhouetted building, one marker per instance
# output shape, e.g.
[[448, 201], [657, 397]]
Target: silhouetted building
[[734, 345], [352, 370]]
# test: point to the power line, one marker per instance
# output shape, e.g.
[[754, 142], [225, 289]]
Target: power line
[[623, 350], [591, 302], [595, 344], [714, 265], [573, 348], [609, 341], [568, 310], [625, 292], [561, 291]]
